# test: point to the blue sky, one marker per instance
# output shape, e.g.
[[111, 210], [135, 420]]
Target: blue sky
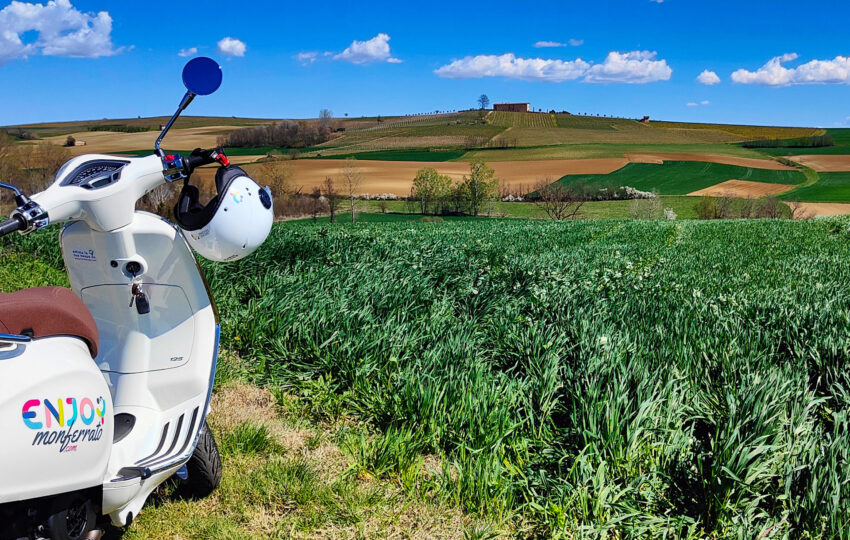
[[69, 61]]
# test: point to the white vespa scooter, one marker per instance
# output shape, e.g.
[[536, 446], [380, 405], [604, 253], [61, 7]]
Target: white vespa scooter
[[104, 391]]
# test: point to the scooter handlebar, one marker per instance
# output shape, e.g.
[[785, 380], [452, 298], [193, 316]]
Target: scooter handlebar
[[16, 223], [200, 157]]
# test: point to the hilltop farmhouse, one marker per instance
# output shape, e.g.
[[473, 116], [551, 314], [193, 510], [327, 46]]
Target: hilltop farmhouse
[[512, 107]]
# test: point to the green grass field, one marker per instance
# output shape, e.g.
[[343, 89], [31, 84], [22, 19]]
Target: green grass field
[[604, 150], [744, 132], [402, 155], [582, 379], [595, 378], [682, 177], [830, 187]]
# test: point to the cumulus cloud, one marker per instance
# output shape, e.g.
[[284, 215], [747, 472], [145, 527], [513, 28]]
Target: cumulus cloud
[[61, 30], [705, 102], [306, 57], [511, 67], [774, 73], [693, 104], [376, 49], [635, 67], [708, 78], [231, 46], [571, 43], [191, 51]]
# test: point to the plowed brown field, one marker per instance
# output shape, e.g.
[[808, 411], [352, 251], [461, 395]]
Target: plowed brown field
[[397, 176], [825, 163], [743, 189], [823, 209]]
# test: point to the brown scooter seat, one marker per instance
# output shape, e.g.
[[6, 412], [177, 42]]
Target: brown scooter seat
[[47, 311]]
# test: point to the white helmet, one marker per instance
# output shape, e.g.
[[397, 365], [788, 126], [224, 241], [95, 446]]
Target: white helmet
[[233, 224]]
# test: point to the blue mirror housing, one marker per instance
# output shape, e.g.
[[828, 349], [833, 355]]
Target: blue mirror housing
[[202, 76]]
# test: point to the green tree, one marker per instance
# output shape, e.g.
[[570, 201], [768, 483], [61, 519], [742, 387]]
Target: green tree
[[479, 187], [431, 189]]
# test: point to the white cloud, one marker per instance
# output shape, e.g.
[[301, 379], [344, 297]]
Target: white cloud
[[307, 57], [511, 67], [657, 1], [692, 104], [62, 30], [231, 46], [569, 43], [708, 78], [635, 67], [376, 49], [773, 73], [191, 51], [705, 102]]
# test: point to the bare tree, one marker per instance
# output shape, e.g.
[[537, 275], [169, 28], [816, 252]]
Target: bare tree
[[157, 200], [37, 165], [724, 206], [326, 117], [483, 102], [277, 175], [799, 210], [316, 203], [769, 208], [745, 210], [557, 200], [352, 178], [649, 208], [333, 197]]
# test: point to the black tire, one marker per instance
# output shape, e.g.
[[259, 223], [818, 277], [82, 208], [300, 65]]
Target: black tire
[[71, 518], [203, 468]]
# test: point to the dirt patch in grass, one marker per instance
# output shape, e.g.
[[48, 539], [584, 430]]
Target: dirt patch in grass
[[110, 141], [823, 209], [301, 486], [824, 163], [743, 189], [710, 158]]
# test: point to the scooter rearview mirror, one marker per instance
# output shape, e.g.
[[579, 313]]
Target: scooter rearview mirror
[[202, 76]]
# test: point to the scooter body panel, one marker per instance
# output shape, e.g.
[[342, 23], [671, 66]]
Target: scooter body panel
[[55, 419], [158, 365]]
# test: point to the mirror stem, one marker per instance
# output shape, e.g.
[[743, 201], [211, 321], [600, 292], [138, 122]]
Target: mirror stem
[[187, 99]]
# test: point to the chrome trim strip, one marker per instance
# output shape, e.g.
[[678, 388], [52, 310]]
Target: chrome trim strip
[[15, 338], [146, 472]]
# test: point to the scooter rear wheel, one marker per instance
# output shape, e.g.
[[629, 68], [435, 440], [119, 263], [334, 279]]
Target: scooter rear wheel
[[203, 468], [71, 518]]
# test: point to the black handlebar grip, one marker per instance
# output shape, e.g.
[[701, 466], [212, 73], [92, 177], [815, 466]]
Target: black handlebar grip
[[17, 223], [200, 157]]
